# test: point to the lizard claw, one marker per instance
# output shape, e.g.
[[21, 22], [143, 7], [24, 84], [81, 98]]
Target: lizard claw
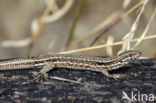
[[38, 75], [45, 75], [116, 77]]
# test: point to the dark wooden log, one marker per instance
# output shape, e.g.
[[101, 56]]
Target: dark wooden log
[[87, 86]]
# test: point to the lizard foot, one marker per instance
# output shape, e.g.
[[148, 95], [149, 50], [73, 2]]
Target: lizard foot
[[39, 74]]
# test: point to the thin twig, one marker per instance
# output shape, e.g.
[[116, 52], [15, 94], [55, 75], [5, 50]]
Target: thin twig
[[105, 45], [66, 80]]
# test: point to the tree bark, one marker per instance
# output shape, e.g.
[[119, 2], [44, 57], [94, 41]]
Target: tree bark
[[79, 86]]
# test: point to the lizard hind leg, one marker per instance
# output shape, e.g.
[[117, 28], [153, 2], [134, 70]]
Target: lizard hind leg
[[46, 68]]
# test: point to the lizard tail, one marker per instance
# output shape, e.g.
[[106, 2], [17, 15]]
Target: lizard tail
[[16, 64]]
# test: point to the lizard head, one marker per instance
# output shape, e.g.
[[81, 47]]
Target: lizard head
[[129, 55]]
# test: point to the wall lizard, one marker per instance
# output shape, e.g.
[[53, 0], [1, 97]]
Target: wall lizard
[[92, 63]]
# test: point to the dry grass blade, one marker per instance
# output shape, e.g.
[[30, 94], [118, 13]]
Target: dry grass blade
[[105, 45], [59, 13], [35, 26], [126, 3], [41, 21], [129, 36], [146, 29], [116, 22], [75, 21], [126, 14], [96, 29], [12, 43], [109, 49], [106, 30]]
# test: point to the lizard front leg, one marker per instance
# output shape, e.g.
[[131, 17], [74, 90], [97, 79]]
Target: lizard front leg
[[48, 66]]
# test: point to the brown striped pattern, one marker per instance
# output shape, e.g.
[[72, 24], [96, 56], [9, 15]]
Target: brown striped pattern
[[76, 62]]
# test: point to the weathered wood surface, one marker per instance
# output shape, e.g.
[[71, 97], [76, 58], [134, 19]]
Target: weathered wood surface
[[88, 87]]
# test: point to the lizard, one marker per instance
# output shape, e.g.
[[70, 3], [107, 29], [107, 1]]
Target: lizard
[[92, 63]]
